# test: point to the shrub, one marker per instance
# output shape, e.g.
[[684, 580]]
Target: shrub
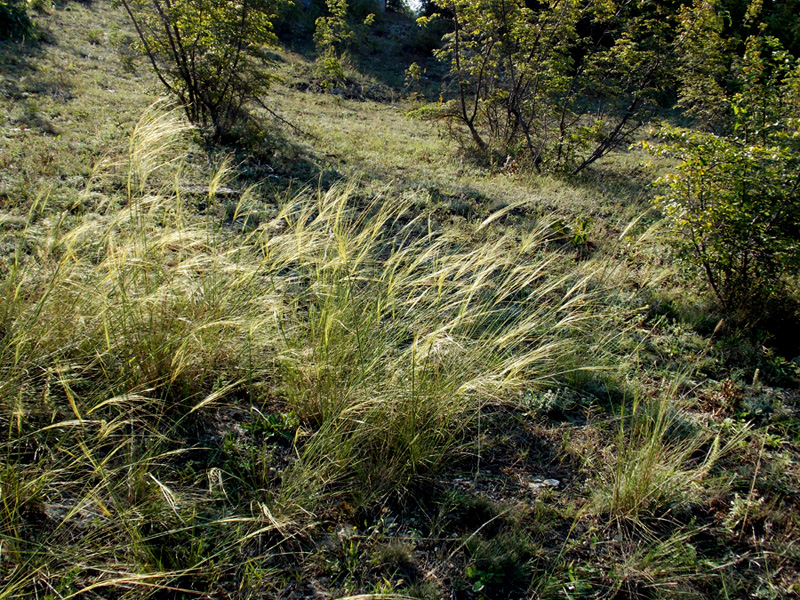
[[559, 85], [14, 20], [210, 54], [732, 202], [735, 213], [331, 36]]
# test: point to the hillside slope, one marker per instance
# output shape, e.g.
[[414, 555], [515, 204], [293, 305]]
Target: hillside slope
[[344, 359]]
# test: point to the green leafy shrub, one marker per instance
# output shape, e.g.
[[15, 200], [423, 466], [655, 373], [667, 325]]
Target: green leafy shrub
[[531, 83], [210, 54], [735, 213], [332, 35], [14, 20], [732, 202]]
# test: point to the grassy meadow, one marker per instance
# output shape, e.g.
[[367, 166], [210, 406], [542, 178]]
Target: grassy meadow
[[344, 359]]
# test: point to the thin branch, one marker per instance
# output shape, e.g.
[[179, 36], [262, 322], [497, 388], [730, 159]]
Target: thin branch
[[275, 115]]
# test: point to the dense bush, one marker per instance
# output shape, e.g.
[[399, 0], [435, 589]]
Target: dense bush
[[736, 211], [14, 20], [733, 202], [210, 54]]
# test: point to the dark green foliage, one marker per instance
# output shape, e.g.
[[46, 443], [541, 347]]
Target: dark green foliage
[[776, 18], [280, 426], [499, 564], [733, 202], [715, 43], [14, 20]]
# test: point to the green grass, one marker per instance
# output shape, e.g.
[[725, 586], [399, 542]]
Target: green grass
[[662, 459]]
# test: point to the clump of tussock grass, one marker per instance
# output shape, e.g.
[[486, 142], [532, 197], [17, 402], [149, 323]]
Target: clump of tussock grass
[[115, 332], [661, 461], [395, 340], [140, 297], [658, 568]]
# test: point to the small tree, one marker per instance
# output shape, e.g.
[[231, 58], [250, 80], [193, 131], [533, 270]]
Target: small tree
[[560, 82], [210, 54], [332, 34]]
